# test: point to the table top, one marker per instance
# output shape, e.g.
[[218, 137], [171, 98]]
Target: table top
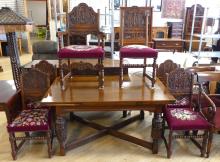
[[82, 94], [8, 89], [207, 35]]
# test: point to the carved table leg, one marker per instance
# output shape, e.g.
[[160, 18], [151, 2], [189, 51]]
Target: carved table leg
[[61, 131], [156, 131]]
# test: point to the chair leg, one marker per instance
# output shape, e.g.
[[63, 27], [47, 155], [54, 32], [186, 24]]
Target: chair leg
[[49, 140], [210, 137], [13, 145], [154, 72], [204, 144], [121, 73], [125, 113], [169, 150], [144, 69]]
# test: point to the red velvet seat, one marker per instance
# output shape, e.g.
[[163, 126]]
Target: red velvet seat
[[138, 52], [81, 51], [185, 119]]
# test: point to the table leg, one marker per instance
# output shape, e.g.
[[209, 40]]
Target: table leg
[[61, 130], [156, 131]]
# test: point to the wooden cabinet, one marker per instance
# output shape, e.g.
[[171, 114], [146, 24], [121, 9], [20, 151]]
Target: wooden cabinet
[[197, 25], [170, 44], [160, 32], [175, 30]]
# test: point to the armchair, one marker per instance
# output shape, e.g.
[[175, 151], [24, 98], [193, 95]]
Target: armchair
[[185, 117]]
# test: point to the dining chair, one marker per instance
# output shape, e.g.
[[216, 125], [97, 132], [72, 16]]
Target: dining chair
[[27, 116], [135, 38], [184, 118], [82, 21]]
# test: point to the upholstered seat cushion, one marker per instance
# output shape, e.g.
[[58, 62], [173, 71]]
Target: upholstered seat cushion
[[30, 120], [185, 119], [81, 51], [137, 51]]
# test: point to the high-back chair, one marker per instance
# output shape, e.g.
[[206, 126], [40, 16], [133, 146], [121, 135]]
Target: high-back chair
[[28, 115], [47, 68], [135, 37], [183, 117], [165, 68], [211, 76], [81, 21]]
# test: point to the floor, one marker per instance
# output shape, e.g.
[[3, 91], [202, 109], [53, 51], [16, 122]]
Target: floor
[[107, 148]]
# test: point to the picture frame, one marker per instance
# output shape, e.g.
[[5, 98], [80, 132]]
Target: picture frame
[[156, 4]]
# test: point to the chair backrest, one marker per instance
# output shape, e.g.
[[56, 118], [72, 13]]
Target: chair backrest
[[47, 68], [34, 85], [136, 25], [180, 84], [165, 68], [81, 21]]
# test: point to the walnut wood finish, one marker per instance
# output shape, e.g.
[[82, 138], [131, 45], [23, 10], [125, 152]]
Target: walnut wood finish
[[81, 21], [135, 25], [47, 68], [165, 68], [34, 84], [169, 44], [156, 31], [77, 95], [180, 84]]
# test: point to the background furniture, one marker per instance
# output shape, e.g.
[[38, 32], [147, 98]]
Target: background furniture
[[197, 26], [175, 30], [160, 32], [44, 50], [174, 44]]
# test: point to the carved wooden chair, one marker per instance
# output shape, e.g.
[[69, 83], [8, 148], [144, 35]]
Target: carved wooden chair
[[165, 68], [47, 68], [27, 115], [135, 36], [82, 20], [211, 76], [184, 117]]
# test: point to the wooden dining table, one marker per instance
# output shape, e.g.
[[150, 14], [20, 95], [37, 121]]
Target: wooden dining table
[[81, 94]]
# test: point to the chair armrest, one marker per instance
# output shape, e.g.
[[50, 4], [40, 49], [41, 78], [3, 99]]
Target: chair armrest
[[14, 106], [207, 107]]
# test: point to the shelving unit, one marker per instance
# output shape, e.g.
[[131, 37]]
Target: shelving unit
[[201, 36]]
